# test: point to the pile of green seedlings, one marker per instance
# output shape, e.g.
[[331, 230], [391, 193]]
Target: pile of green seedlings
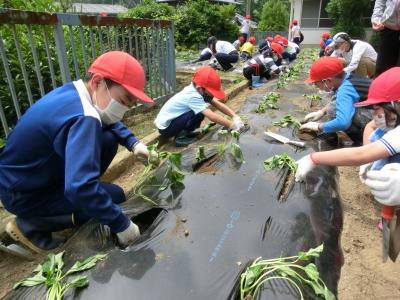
[[173, 173], [288, 121], [292, 269], [50, 273], [231, 145], [280, 162], [269, 102]]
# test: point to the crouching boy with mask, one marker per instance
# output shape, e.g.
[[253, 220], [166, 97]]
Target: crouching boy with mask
[[51, 166], [183, 113]]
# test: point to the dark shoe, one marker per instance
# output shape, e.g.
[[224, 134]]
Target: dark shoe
[[185, 138], [36, 233]]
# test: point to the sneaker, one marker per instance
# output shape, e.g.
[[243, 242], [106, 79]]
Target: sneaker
[[183, 141], [15, 233]]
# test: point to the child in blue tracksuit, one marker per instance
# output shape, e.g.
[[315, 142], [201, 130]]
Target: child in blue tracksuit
[[51, 166], [327, 73]]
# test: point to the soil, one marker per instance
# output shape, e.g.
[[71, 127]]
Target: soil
[[364, 275]]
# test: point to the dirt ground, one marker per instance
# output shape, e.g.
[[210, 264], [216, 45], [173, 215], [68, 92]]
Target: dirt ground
[[364, 275]]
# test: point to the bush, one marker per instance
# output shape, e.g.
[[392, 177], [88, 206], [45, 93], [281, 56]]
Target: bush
[[275, 16], [199, 19], [347, 16], [149, 9]]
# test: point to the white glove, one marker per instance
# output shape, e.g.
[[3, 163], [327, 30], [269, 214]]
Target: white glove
[[237, 123], [129, 235], [314, 116], [284, 68], [304, 166], [385, 184], [363, 171], [313, 126], [140, 149]]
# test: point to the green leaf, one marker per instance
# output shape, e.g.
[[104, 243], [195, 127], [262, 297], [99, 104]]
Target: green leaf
[[236, 151], [221, 149], [200, 154], [152, 147], [222, 132], [175, 158], [176, 177], [235, 134], [88, 263], [31, 281], [79, 282]]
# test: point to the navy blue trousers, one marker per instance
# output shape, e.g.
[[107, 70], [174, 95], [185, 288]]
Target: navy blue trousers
[[226, 60], [49, 203], [187, 121]]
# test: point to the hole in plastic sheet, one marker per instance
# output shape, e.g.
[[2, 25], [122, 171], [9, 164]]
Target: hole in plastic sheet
[[267, 225], [147, 218]]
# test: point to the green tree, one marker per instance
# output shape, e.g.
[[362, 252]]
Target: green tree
[[197, 20], [150, 9], [275, 16], [347, 16]]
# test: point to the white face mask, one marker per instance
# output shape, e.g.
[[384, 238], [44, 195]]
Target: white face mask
[[114, 111]]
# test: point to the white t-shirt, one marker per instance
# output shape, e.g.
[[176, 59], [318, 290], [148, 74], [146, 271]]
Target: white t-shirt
[[292, 47], [245, 26], [296, 31], [391, 141], [360, 49], [205, 50], [224, 47], [186, 100]]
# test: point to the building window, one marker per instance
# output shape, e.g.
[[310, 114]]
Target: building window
[[314, 14]]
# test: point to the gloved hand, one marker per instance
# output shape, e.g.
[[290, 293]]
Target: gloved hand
[[129, 235], [304, 166], [385, 184], [314, 116], [313, 126], [363, 171], [237, 123]]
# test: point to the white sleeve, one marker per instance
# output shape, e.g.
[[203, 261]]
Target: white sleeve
[[391, 141], [358, 52]]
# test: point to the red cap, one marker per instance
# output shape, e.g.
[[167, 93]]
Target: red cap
[[385, 88], [277, 38], [325, 35], [241, 39], [248, 17], [102, 14], [294, 22], [208, 78], [324, 68], [123, 69], [284, 41], [277, 48], [252, 39]]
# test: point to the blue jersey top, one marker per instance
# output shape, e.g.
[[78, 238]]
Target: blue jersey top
[[353, 89], [58, 142], [327, 43]]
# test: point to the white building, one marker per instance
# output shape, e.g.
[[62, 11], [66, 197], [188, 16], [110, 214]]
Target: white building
[[313, 19]]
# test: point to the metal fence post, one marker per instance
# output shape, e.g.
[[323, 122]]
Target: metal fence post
[[62, 53]]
